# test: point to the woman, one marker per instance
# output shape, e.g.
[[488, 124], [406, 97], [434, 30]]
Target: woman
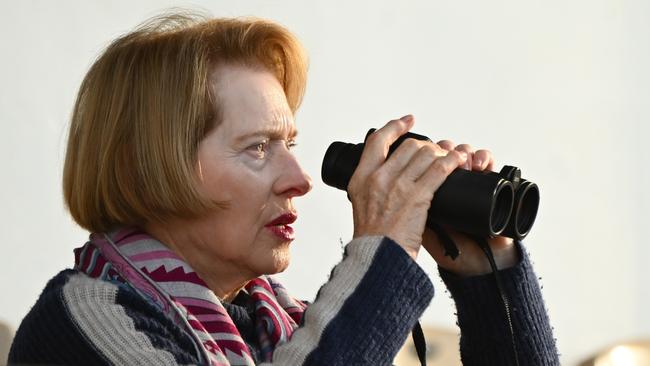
[[179, 163]]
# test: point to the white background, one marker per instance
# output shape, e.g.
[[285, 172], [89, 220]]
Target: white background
[[560, 88]]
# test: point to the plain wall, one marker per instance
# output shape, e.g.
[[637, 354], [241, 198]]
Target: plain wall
[[559, 88]]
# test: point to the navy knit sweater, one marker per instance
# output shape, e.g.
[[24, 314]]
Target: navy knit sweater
[[361, 316]]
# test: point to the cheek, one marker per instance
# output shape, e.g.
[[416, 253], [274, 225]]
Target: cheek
[[245, 198], [246, 193], [236, 182]]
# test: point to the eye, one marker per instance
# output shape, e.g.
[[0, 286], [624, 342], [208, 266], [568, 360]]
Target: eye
[[259, 149], [291, 144]]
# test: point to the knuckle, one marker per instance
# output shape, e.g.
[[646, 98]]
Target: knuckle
[[423, 201], [446, 143], [456, 155], [374, 138], [402, 187], [433, 147], [377, 179], [464, 147], [356, 177], [440, 166], [411, 144], [439, 148], [352, 185], [429, 151]]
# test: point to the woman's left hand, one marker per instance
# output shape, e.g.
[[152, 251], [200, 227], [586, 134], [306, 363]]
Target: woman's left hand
[[471, 261]]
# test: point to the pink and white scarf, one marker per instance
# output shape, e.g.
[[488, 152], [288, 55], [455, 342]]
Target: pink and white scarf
[[130, 256]]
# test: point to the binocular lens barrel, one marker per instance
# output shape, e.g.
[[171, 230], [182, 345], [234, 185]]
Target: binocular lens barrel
[[525, 210], [500, 214], [479, 203], [340, 162]]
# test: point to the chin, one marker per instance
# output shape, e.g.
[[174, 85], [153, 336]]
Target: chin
[[280, 259]]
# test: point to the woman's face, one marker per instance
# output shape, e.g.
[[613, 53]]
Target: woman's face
[[246, 163]]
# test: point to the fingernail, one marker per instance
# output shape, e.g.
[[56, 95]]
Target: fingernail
[[407, 118], [478, 162], [463, 155]]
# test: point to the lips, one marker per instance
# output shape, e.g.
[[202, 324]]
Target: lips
[[280, 226]]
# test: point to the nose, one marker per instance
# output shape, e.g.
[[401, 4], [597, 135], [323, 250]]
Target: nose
[[293, 181]]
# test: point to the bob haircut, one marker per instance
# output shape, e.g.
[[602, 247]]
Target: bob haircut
[[145, 105]]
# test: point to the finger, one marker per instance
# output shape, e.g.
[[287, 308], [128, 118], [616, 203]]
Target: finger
[[402, 156], [422, 160], [439, 170], [483, 160], [377, 144], [469, 151], [446, 144]]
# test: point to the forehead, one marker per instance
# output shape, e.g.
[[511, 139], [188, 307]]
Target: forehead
[[251, 100]]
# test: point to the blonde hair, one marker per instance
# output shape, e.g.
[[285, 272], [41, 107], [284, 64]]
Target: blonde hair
[[146, 104]]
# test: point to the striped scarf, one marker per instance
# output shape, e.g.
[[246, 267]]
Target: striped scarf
[[132, 257]]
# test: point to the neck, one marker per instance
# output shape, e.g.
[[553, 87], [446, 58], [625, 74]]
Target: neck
[[223, 278]]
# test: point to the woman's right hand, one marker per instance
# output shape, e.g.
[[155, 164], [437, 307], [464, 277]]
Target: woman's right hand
[[391, 197]]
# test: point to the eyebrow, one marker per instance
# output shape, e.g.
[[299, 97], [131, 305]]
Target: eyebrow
[[272, 133]]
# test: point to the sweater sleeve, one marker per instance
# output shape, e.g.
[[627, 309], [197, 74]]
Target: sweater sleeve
[[364, 313], [485, 335], [83, 321]]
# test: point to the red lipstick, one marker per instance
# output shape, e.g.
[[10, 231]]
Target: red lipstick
[[280, 226]]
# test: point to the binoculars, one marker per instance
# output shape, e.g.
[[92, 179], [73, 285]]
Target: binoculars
[[483, 204]]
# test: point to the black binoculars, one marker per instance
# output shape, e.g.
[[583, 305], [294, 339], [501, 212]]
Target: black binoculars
[[484, 204]]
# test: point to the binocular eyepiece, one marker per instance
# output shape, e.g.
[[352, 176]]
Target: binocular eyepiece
[[485, 204]]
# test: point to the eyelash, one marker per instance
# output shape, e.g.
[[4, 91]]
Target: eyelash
[[261, 147]]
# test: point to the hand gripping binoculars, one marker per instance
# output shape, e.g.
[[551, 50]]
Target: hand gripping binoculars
[[483, 204]]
